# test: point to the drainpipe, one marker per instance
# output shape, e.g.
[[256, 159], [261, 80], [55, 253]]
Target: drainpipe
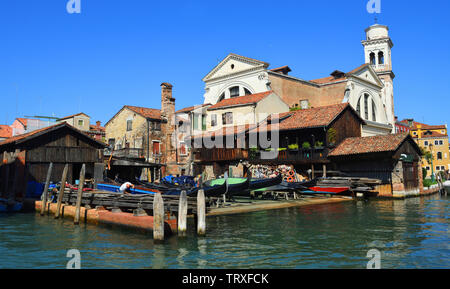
[[148, 140], [148, 151]]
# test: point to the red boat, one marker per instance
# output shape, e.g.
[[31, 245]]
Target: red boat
[[330, 190]]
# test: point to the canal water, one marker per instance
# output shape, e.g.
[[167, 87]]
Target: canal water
[[409, 233]]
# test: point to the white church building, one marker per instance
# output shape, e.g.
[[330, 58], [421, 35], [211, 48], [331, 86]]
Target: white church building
[[368, 88]]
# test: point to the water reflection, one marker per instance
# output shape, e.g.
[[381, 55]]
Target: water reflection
[[409, 233]]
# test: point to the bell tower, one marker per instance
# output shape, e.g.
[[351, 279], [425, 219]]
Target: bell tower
[[377, 52]]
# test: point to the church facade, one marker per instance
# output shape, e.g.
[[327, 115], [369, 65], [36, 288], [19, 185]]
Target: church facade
[[367, 88]]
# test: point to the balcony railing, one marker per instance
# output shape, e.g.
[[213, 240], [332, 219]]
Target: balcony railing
[[284, 156], [220, 154], [131, 153]]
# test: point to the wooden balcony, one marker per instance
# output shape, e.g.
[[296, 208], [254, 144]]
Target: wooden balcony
[[220, 154], [301, 156]]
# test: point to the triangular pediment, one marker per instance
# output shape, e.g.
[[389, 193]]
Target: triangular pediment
[[367, 73], [234, 64]]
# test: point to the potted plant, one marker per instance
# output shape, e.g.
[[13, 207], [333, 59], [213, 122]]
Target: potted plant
[[306, 145], [254, 152], [331, 134], [293, 147], [318, 145]]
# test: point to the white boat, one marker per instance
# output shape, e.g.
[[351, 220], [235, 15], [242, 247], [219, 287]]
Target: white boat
[[447, 187]]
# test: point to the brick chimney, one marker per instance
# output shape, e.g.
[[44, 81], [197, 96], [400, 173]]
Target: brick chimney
[[98, 123], [168, 129]]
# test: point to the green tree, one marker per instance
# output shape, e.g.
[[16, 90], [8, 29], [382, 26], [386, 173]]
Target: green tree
[[427, 155], [424, 173]]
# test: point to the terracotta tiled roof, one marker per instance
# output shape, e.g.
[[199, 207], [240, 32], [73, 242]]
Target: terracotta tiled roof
[[23, 121], [241, 100], [372, 144], [191, 108], [358, 68], [422, 125], [283, 69], [146, 112], [44, 130], [73, 115], [331, 79], [5, 131], [431, 134], [97, 128], [308, 118]]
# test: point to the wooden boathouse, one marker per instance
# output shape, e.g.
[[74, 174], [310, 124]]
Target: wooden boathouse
[[306, 137], [27, 157], [395, 159]]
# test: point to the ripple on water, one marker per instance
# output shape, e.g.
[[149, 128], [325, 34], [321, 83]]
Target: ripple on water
[[409, 234]]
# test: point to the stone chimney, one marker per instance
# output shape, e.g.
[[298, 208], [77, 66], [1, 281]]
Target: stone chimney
[[168, 129]]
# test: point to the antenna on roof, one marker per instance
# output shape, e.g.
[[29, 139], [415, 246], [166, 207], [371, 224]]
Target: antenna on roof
[[376, 19]]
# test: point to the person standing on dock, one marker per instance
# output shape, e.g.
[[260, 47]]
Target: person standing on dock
[[126, 188]]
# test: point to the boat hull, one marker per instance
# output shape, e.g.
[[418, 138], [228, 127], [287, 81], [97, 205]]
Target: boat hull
[[330, 190]]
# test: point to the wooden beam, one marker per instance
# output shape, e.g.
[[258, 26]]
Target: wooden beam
[[45, 192], [182, 214], [76, 221], [158, 218], [61, 191], [201, 213]]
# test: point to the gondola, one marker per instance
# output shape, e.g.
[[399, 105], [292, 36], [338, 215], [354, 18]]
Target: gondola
[[209, 190], [235, 186], [256, 184]]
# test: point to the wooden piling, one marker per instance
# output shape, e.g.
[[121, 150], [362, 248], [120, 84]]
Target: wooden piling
[[324, 170], [12, 191], [182, 214], [76, 221], [45, 192], [201, 213], [61, 191], [158, 218]]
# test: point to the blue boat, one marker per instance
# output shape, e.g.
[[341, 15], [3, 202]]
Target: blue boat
[[116, 189], [6, 207]]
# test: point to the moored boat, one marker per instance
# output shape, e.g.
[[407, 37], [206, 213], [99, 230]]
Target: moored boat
[[234, 186], [330, 190], [10, 206], [256, 184], [447, 187]]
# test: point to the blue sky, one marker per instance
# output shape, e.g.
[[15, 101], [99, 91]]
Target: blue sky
[[118, 52]]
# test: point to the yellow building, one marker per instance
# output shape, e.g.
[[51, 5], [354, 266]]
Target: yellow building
[[433, 138]]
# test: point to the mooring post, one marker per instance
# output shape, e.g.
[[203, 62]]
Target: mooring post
[[61, 191], [182, 214], [324, 170], [201, 213], [12, 190], [45, 192], [158, 218], [76, 221]]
